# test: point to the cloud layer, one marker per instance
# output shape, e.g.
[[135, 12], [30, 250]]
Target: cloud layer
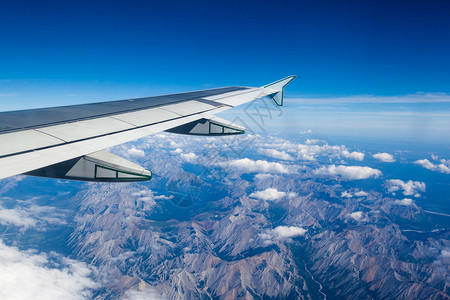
[[271, 194], [246, 165], [409, 188], [443, 166], [405, 202], [276, 154], [31, 216], [348, 172], [29, 275], [282, 233], [357, 215], [384, 157]]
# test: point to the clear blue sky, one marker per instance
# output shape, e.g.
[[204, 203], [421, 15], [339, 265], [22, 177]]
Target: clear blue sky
[[102, 50]]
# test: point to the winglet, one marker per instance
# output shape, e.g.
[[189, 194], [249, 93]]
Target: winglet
[[275, 89]]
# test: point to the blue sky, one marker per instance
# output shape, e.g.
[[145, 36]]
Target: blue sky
[[93, 50]]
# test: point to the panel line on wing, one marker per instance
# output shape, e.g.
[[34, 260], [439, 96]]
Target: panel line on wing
[[46, 133], [102, 135]]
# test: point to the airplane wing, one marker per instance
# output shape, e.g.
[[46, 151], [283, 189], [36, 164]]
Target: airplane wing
[[67, 142]]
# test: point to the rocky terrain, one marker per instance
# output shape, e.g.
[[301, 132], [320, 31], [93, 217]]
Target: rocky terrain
[[279, 220], [225, 242]]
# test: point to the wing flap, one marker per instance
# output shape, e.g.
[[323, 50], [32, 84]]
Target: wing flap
[[98, 166]]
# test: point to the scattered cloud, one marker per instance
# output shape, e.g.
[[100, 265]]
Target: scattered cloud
[[246, 165], [443, 166], [275, 154], [163, 197], [357, 215], [348, 172], [16, 217], [315, 142], [350, 195], [176, 151], [31, 275], [312, 148], [353, 155], [189, 157], [405, 202], [409, 188], [384, 157], [142, 193], [346, 194], [262, 176], [283, 233], [361, 194], [136, 153], [148, 293], [174, 144], [271, 194], [306, 131], [32, 216]]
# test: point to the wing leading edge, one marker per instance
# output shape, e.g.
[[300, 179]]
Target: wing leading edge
[[66, 142]]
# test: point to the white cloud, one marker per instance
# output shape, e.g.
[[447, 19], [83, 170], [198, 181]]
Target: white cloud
[[250, 166], [137, 153], [272, 194], [350, 195], [164, 197], [357, 215], [348, 172], [262, 176], [361, 194], [305, 131], [346, 194], [282, 233], [404, 202], [409, 188], [291, 195], [384, 157], [189, 157], [353, 155], [315, 142], [142, 193], [176, 151], [29, 275], [174, 145], [148, 293], [312, 148], [443, 166], [268, 194], [16, 217], [445, 253], [276, 154], [28, 216]]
